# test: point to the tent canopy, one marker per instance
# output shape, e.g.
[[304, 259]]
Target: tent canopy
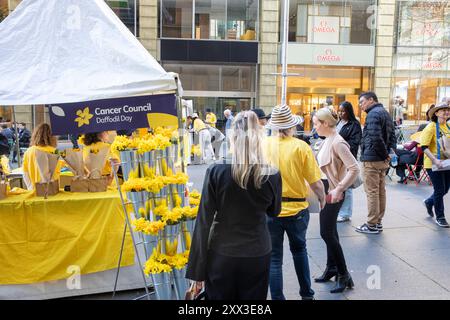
[[63, 51]]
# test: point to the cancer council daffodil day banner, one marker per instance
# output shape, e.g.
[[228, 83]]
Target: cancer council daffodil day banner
[[114, 114]]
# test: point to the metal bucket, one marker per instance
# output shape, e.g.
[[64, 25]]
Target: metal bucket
[[187, 229], [129, 162], [162, 285], [169, 239], [180, 281]]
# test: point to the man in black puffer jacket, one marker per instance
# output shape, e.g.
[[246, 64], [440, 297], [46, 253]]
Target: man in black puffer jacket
[[377, 140]]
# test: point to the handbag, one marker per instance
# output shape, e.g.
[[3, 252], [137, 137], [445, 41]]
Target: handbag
[[193, 294], [442, 144], [358, 182]]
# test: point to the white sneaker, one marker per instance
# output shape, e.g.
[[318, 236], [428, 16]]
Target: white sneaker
[[342, 219]]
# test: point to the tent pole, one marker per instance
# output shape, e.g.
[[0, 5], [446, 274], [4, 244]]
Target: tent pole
[[180, 126], [17, 147], [135, 18]]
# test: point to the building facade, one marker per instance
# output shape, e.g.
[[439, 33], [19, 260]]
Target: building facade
[[227, 52]]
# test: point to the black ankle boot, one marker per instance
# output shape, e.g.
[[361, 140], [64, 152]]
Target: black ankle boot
[[343, 281], [329, 273]]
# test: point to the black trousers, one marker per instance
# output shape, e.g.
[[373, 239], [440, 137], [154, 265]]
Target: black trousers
[[235, 278], [329, 234]]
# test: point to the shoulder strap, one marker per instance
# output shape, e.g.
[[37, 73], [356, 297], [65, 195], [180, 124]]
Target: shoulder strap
[[438, 145]]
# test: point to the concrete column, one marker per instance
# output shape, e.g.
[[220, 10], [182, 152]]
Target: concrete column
[[384, 51], [148, 26], [268, 53], [13, 4]]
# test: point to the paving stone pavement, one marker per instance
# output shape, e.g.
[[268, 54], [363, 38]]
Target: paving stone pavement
[[411, 256]]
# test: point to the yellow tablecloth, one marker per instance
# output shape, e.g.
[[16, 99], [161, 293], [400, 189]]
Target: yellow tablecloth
[[41, 239]]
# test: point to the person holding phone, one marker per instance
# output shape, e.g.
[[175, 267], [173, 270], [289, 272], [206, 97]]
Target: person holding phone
[[339, 170]]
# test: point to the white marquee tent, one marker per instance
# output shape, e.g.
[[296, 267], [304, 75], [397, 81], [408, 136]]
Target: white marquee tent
[[61, 51]]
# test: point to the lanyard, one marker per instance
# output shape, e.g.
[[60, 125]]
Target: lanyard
[[438, 145]]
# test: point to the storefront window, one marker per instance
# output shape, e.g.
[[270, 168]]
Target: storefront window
[[241, 19], [3, 9], [424, 23], [5, 114], [332, 22], [421, 75], [320, 86], [125, 10], [214, 77], [176, 18], [212, 19]]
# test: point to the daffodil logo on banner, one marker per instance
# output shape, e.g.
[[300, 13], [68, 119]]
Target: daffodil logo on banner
[[114, 114], [83, 117]]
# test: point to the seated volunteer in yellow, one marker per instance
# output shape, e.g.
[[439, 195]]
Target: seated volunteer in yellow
[[211, 118], [41, 140], [97, 141]]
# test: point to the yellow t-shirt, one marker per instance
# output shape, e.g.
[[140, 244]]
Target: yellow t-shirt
[[428, 138], [31, 169], [295, 160], [211, 119], [107, 170], [199, 125]]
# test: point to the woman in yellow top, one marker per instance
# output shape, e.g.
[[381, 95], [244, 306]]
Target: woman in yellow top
[[41, 140], [97, 141], [431, 144]]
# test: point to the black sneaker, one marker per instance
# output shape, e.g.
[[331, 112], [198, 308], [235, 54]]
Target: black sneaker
[[365, 228], [379, 227], [442, 223], [429, 208]]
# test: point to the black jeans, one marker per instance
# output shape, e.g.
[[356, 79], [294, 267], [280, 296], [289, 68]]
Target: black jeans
[[329, 234], [441, 184], [236, 278]]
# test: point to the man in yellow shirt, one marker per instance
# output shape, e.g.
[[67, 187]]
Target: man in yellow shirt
[[211, 118], [297, 165]]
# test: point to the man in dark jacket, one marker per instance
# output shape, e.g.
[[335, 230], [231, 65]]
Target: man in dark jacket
[[377, 141]]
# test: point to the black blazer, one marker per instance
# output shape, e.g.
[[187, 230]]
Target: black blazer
[[352, 133], [232, 221]]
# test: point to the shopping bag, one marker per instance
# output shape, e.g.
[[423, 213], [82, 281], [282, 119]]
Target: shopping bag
[[98, 185], [46, 163], [79, 184], [3, 189], [45, 189]]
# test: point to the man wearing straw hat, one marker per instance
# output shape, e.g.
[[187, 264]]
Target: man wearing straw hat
[[297, 165]]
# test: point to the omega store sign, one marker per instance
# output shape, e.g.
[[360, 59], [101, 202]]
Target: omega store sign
[[331, 55]]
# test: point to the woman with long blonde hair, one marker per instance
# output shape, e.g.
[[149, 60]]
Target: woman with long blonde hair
[[230, 251], [339, 171]]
